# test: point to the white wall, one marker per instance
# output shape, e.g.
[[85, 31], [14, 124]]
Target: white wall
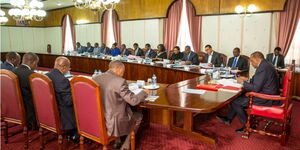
[[88, 33], [141, 32]]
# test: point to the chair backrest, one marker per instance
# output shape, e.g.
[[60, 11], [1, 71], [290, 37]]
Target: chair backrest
[[12, 106], [248, 60], [201, 56], [44, 100], [223, 59], [88, 108], [131, 51], [287, 81]]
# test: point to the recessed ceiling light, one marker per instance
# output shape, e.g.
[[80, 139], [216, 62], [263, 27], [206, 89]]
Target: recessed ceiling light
[[58, 3]]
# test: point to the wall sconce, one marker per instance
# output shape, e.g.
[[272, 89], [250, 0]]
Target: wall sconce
[[250, 9], [3, 19], [82, 21]]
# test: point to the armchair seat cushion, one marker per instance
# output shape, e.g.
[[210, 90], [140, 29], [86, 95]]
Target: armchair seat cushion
[[276, 112]]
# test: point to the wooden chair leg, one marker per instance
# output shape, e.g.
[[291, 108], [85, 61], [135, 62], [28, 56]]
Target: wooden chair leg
[[247, 129], [132, 140], [5, 132], [60, 142], [283, 136], [25, 133], [41, 138], [81, 143]]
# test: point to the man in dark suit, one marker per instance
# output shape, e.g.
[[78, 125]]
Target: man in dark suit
[[276, 58], [12, 60], [29, 63], [265, 81], [63, 95], [150, 53], [124, 50], [89, 47], [104, 49], [238, 62], [80, 48], [212, 57], [137, 51], [190, 58]]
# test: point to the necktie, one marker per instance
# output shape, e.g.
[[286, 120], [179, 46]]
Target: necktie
[[274, 60], [234, 63], [188, 58]]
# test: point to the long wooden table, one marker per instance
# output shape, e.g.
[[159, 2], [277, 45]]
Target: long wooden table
[[173, 99]]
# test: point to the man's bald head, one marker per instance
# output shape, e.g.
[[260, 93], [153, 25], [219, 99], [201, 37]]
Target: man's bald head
[[117, 67], [30, 59], [62, 64], [256, 58]]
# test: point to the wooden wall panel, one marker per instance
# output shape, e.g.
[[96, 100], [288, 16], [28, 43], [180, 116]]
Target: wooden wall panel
[[206, 7]]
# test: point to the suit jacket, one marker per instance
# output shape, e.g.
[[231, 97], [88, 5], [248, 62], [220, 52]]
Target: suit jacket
[[178, 56], [265, 81], [193, 57], [215, 60], [7, 66], [139, 52], [23, 73], [105, 50], [280, 60], [162, 55], [90, 49], [116, 98], [81, 49], [64, 99], [150, 53], [242, 63], [125, 52]]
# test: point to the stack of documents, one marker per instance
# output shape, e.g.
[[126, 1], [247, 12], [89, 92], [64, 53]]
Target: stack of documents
[[194, 91]]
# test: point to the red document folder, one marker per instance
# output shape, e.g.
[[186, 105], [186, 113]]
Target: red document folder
[[215, 87]]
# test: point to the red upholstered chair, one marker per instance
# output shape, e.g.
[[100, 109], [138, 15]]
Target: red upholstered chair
[[201, 56], [12, 106], [89, 112], [223, 59], [131, 51], [277, 114], [46, 108]]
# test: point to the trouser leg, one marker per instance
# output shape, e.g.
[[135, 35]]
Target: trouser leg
[[237, 108], [137, 119]]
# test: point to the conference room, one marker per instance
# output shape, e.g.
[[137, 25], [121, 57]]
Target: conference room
[[150, 74]]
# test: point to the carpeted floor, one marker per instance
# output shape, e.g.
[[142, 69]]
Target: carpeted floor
[[159, 137]]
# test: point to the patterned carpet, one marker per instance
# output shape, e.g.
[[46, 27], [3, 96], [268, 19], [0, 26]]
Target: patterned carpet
[[158, 137]]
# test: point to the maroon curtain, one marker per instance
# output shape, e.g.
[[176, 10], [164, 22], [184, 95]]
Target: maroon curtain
[[171, 25], [195, 26], [287, 24], [63, 29], [116, 27]]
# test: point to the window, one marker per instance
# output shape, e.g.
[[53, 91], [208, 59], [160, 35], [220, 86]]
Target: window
[[184, 35], [110, 38], [294, 50]]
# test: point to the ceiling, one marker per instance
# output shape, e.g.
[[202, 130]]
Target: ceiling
[[48, 4]]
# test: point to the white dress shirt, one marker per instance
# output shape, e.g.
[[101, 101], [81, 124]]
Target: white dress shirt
[[210, 57]]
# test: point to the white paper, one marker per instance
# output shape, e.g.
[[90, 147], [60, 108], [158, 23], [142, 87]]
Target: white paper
[[194, 91], [230, 82], [151, 98]]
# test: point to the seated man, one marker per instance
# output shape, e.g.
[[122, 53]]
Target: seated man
[[276, 58], [89, 47], [190, 57], [80, 48], [116, 99], [97, 49], [29, 63], [115, 51], [176, 55], [150, 53], [63, 95], [13, 60], [238, 62], [137, 51], [212, 57], [104, 50], [265, 81], [124, 50]]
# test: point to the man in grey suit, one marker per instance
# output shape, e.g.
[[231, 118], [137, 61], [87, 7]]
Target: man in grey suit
[[116, 100], [150, 53], [264, 81], [212, 57], [276, 58], [13, 60], [137, 51], [64, 96]]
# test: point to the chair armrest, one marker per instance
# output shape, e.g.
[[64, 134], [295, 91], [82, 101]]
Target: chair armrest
[[266, 96]]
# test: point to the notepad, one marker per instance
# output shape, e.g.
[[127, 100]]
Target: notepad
[[229, 82], [151, 98], [194, 91]]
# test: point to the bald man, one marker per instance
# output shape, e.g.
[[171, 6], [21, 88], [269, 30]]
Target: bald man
[[13, 60], [29, 63], [64, 96], [116, 100]]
